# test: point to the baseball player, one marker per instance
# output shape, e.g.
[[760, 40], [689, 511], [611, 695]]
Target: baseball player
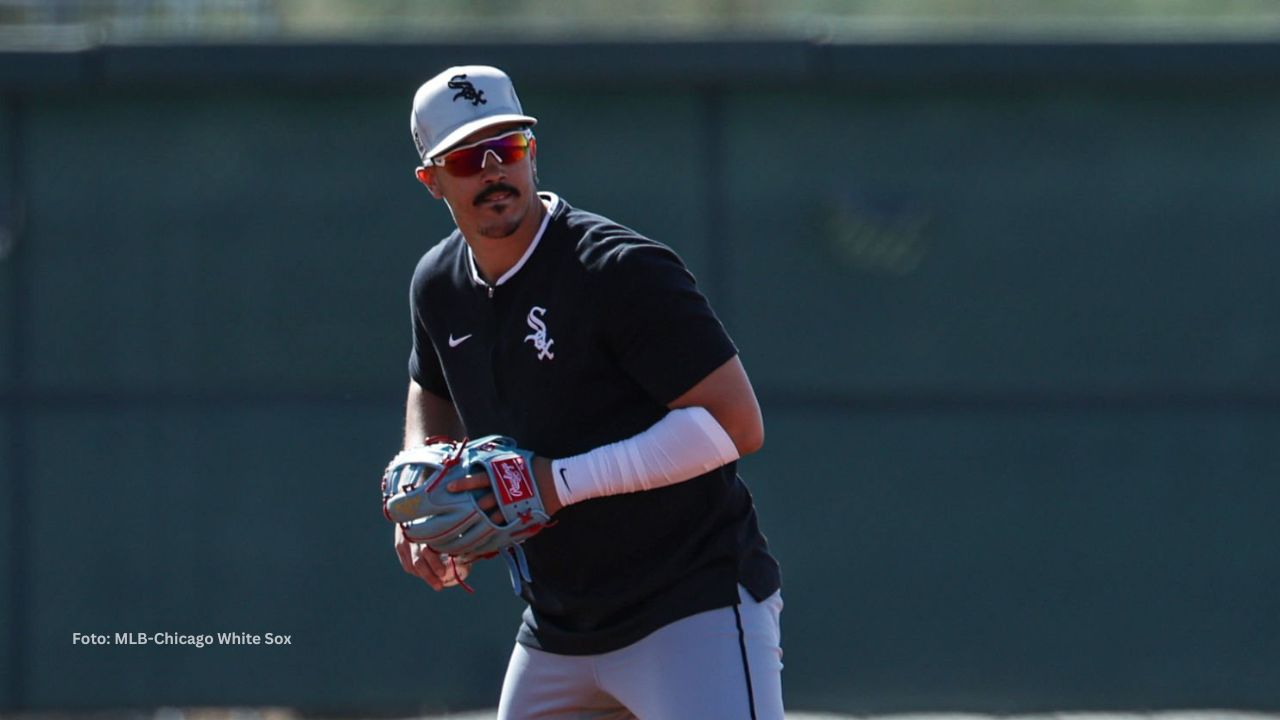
[[652, 592]]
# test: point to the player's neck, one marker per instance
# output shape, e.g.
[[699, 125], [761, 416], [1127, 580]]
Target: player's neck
[[495, 256]]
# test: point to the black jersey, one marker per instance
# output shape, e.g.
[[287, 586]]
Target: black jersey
[[583, 343]]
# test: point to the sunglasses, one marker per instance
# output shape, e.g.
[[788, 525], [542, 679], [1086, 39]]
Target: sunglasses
[[470, 159]]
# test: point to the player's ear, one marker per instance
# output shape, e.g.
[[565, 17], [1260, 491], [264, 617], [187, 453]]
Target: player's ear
[[427, 176]]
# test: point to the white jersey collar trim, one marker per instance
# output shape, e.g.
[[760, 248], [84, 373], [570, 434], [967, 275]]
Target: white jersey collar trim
[[551, 201]]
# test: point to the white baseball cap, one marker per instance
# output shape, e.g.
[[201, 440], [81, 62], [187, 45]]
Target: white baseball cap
[[460, 101]]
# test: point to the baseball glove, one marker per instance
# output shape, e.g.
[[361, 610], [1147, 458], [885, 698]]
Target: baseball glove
[[414, 495]]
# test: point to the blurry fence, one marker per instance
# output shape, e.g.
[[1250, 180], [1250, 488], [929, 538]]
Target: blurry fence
[[1011, 311]]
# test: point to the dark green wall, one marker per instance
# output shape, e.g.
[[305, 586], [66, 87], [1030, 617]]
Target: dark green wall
[[1010, 311]]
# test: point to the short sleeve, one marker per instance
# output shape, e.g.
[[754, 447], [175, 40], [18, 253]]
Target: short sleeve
[[424, 363], [659, 326]]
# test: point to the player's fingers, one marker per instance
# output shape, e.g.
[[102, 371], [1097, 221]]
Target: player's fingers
[[470, 482], [427, 565], [442, 565], [488, 503], [403, 550], [461, 569], [412, 563], [454, 571]]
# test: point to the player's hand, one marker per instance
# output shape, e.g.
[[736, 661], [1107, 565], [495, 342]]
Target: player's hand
[[541, 475], [471, 501], [486, 501], [434, 569]]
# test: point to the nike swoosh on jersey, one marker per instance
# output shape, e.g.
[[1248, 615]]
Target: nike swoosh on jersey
[[455, 342]]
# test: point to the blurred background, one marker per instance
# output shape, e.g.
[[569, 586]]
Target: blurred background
[[1003, 272]]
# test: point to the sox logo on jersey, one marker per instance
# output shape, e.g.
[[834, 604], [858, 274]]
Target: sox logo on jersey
[[539, 335]]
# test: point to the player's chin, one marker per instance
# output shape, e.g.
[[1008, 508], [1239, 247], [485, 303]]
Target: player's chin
[[499, 229]]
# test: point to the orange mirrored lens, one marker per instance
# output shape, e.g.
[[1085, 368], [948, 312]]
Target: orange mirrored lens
[[470, 160]]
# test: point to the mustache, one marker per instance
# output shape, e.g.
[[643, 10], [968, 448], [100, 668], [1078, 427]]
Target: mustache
[[494, 190]]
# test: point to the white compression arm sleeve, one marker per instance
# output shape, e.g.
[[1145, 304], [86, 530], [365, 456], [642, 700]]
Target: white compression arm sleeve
[[684, 444]]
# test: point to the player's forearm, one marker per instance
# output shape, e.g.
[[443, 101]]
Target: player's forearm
[[712, 424], [684, 444], [727, 394], [427, 414]]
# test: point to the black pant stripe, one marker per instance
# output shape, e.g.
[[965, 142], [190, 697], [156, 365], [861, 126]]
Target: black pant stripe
[[746, 666]]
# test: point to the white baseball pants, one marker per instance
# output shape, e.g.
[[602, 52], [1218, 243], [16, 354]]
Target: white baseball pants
[[723, 664]]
